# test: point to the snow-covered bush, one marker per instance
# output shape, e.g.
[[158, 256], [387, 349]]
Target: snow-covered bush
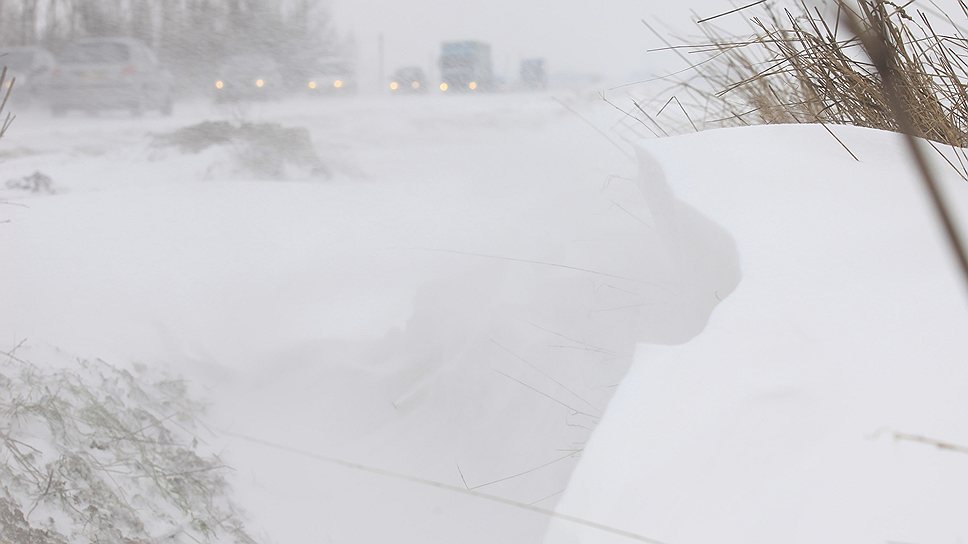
[[99, 454], [265, 150], [38, 182]]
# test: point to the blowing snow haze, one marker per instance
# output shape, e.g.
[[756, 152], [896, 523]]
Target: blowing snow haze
[[437, 272], [596, 37]]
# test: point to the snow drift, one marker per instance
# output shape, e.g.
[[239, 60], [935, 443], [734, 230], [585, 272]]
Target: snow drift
[[778, 422]]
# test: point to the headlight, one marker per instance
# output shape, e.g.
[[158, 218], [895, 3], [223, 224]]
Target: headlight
[[472, 85], [220, 84], [444, 87], [394, 86], [338, 84], [260, 83], [311, 85]]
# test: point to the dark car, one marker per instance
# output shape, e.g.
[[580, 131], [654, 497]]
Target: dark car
[[408, 80], [248, 77], [110, 73], [32, 67], [331, 77]]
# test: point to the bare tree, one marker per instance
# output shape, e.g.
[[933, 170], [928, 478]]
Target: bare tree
[[190, 36], [28, 21]]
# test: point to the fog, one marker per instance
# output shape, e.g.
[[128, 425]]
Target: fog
[[601, 37], [603, 42]]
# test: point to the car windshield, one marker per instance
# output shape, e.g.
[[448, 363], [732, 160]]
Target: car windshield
[[96, 53], [409, 73], [247, 65], [20, 61], [333, 68]]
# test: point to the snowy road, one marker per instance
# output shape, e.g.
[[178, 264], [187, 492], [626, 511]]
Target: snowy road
[[456, 302]]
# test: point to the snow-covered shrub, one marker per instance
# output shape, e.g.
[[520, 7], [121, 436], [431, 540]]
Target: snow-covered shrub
[[38, 182], [265, 150], [98, 454]]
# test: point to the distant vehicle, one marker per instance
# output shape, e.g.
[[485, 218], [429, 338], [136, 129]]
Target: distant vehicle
[[248, 77], [332, 77], [408, 80], [466, 67], [534, 75], [110, 73], [33, 68]]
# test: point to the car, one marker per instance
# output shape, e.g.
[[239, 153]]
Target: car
[[110, 73], [32, 67], [248, 77], [410, 79], [331, 77]]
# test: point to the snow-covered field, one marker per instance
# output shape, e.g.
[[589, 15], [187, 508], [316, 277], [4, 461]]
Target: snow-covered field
[[459, 300]]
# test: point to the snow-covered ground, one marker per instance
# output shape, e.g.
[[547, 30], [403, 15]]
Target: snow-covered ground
[[796, 416], [459, 300]]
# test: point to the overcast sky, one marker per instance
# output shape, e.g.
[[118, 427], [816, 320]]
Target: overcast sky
[[582, 36]]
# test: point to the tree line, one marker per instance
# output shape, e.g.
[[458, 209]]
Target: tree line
[[190, 36]]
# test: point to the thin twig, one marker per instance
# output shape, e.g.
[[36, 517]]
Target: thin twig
[[741, 8], [576, 520]]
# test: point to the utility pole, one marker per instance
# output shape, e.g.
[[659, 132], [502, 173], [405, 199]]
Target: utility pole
[[380, 76]]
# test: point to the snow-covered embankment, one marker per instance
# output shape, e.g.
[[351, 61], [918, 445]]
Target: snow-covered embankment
[[790, 417]]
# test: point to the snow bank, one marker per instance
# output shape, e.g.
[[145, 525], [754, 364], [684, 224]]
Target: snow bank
[[777, 423]]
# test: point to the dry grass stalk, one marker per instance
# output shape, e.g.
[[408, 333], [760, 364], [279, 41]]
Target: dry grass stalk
[[884, 55], [798, 66], [6, 88]]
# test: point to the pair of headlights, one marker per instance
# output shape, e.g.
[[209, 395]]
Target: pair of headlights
[[395, 85], [444, 87], [260, 83], [337, 84]]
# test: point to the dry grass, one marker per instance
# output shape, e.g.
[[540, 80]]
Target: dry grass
[[802, 65], [6, 89]]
